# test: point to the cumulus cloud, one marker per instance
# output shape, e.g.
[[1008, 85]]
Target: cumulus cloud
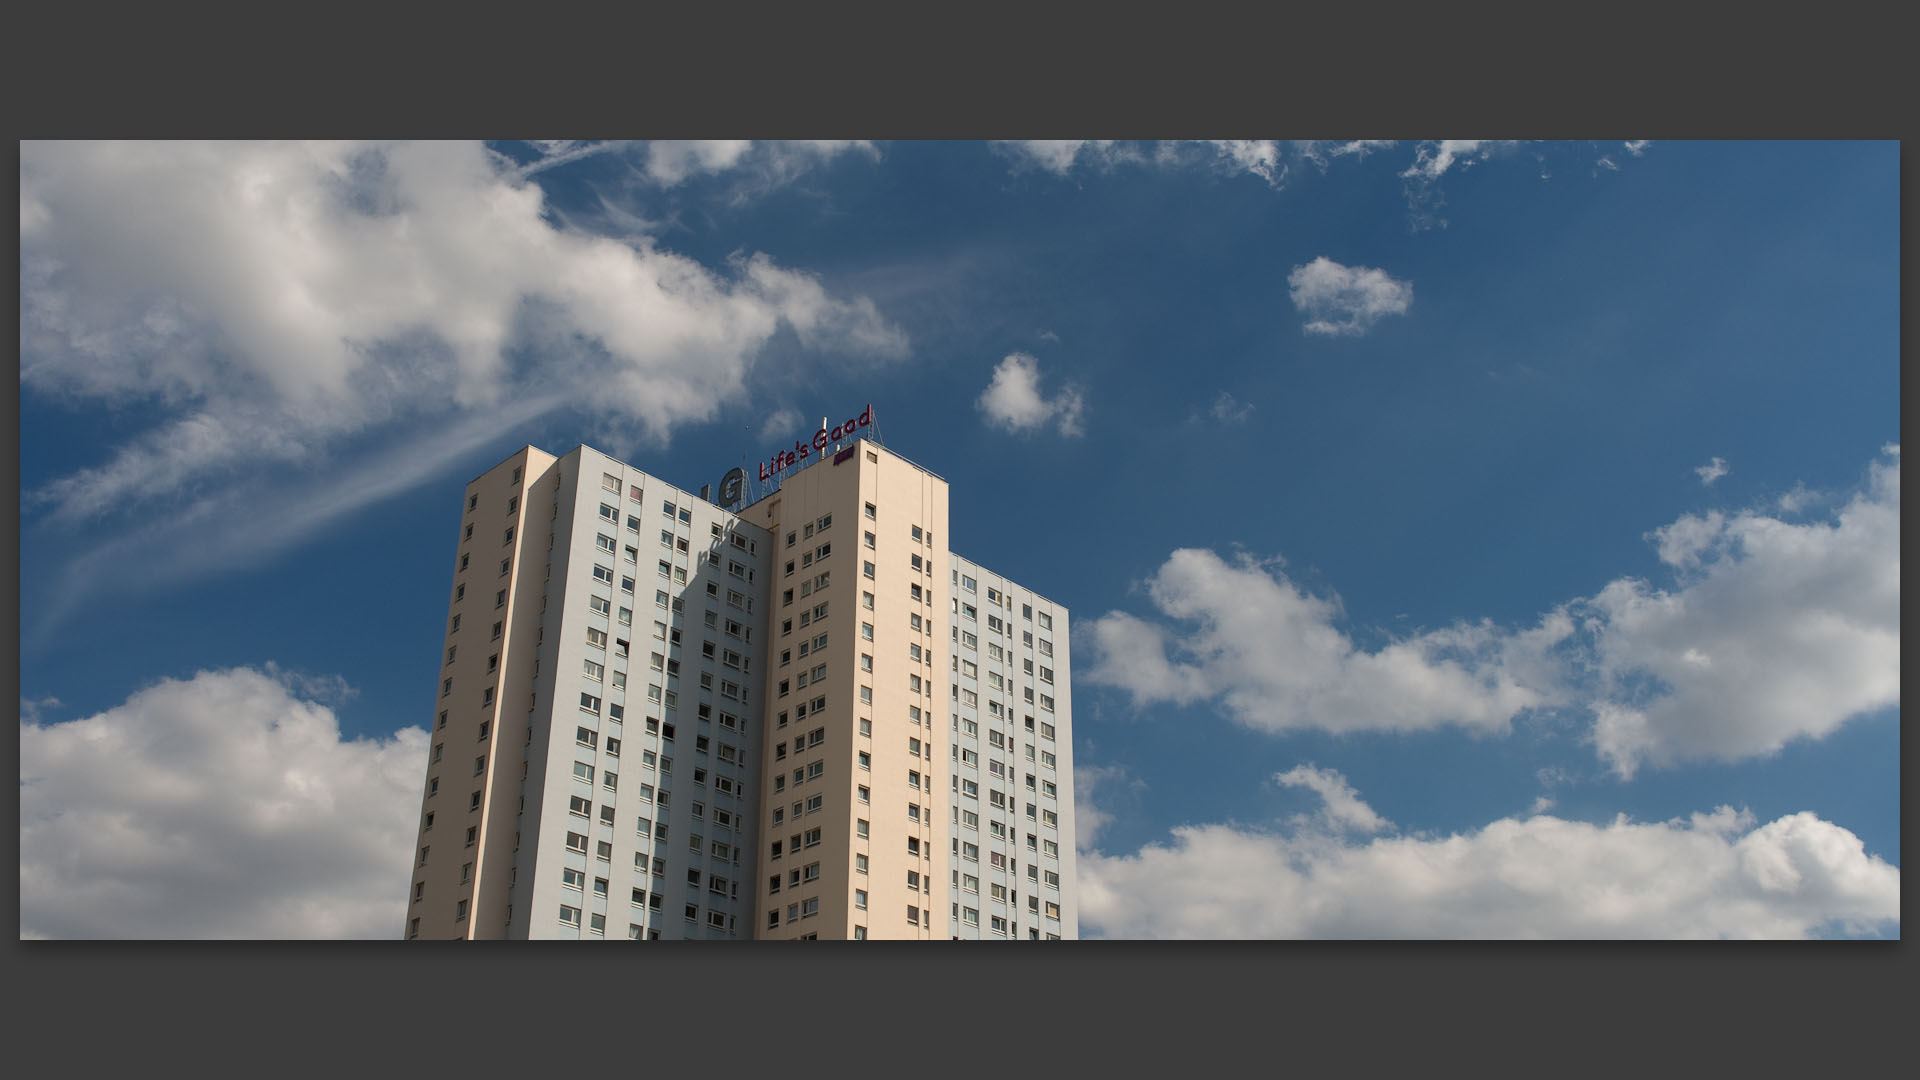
[[1346, 299], [1712, 470], [226, 805], [1797, 500], [1712, 875], [277, 303], [1274, 659], [1775, 631], [1770, 631], [1341, 806], [1013, 401]]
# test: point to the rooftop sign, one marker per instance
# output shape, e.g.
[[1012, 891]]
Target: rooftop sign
[[814, 448]]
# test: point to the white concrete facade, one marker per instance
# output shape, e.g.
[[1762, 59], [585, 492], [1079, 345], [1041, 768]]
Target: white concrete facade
[[614, 669], [1011, 761]]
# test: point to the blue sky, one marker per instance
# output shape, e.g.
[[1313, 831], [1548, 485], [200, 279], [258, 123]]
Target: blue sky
[[1463, 539]]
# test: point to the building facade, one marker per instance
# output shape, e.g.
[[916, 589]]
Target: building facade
[[807, 719]]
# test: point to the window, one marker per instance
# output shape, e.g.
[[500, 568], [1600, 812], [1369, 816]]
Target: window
[[859, 864], [859, 828], [577, 842]]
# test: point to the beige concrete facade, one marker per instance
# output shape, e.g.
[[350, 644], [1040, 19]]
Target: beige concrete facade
[[881, 814], [464, 855]]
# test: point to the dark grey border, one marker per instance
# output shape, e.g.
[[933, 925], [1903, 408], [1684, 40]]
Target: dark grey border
[[958, 72]]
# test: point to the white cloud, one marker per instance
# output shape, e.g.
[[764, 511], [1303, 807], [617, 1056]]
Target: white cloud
[[221, 806], [1054, 155], [1346, 299], [1013, 401], [1319, 152], [1091, 814], [556, 152], [278, 303], [670, 163], [1636, 147], [1712, 470], [1776, 631], [1797, 500], [784, 424], [1432, 159], [1341, 806], [1772, 631], [32, 709], [1260, 157], [1272, 656], [1228, 411], [1713, 876]]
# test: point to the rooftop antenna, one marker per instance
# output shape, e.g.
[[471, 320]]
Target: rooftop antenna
[[753, 485]]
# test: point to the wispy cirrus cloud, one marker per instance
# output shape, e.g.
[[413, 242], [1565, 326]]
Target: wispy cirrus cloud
[[1432, 159], [276, 304], [1259, 157], [1323, 152], [766, 165], [1227, 410]]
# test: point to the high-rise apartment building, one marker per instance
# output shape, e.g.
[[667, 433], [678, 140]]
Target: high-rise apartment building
[[659, 718]]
